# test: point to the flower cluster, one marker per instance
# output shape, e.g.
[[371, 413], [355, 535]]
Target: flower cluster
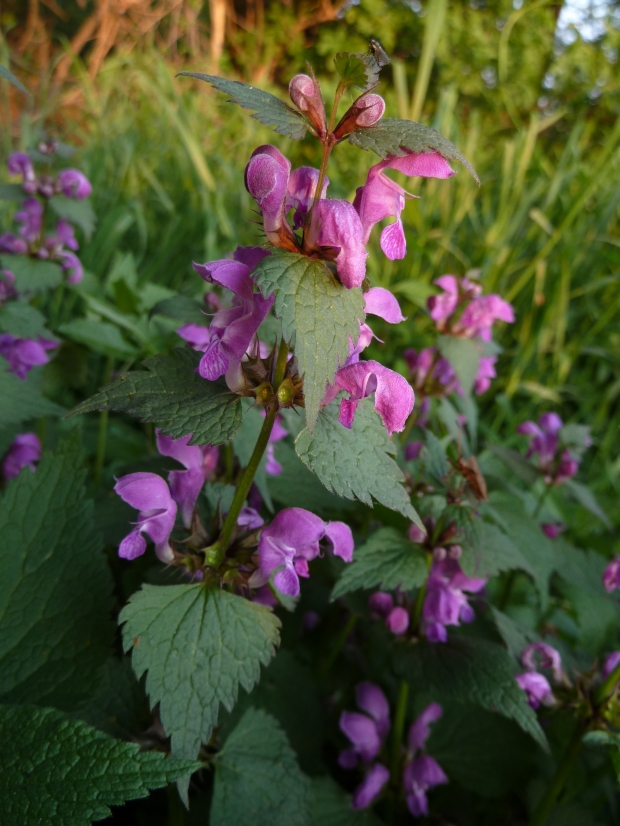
[[31, 238], [396, 616], [535, 684], [22, 354], [367, 732], [462, 310], [23, 452], [556, 461]]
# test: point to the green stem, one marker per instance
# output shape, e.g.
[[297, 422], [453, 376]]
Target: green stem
[[419, 600], [176, 812], [541, 501], [508, 586], [102, 433], [344, 636], [549, 798], [606, 688], [398, 731], [249, 473]]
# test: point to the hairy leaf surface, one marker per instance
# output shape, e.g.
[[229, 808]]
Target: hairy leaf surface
[[357, 70], [318, 316], [20, 319], [62, 772], [386, 561], [55, 589], [257, 778], [487, 551], [31, 274], [268, 109], [21, 400], [392, 136], [469, 670], [356, 463], [170, 392], [197, 646]]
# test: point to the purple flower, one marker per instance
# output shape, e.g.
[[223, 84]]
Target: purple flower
[[445, 602], [396, 618], [305, 93], [291, 541], [23, 354], [278, 432], [367, 110], [544, 437], [413, 450], [200, 463], [20, 164], [367, 731], [422, 772], [249, 519], [553, 529], [611, 575], [66, 235], [370, 787], [431, 372], [7, 288], [266, 179], [380, 302], [301, 190], [567, 467], [23, 452], [30, 216], [479, 316], [416, 534], [73, 184], [537, 688], [549, 658], [335, 224], [148, 494], [443, 305], [232, 330], [612, 661], [196, 335], [381, 197], [486, 372], [12, 244], [70, 263]]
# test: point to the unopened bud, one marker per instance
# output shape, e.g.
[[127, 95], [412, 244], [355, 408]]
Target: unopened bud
[[214, 556], [306, 95], [365, 111], [398, 621], [416, 534], [264, 393], [286, 392]]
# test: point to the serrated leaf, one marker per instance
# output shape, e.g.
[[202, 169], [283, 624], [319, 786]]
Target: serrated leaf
[[22, 320], [517, 463], [99, 336], [464, 357], [80, 212], [433, 455], [31, 274], [63, 772], [488, 551], [170, 392], [197, 646], [514, 635], [55, 589], [392, 136], [331, 806], [8, 75], [318, 316], [268, 109], [12, 192], [385, 561], [357, 70], [257, 779], [587, 500], [468, 670], [356, 463], [21, 400]]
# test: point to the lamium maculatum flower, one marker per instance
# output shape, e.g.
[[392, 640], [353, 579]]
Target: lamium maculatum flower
[[24, 451], [291, 541], [150, 496], [23, 354], [536, 686], [446, 601], [422, 771], [73, 184], [611, 575], [199, 462]]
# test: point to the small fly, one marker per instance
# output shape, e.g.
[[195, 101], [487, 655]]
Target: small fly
[[378, 52]]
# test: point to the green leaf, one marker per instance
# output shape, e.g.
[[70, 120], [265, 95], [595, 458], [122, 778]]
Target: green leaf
[[331, 806], [257, 779], [517, 463], [433, 455], [357, 70], [318, 316], [488, 551], [22, 320], [21, 401], [182, 307], [356, 463], [100, 336], [31, 274], [63, 772], [464, 356], [170, 392], [386, 561], [197, 646], [468, 670], [584, 496], [76, 212], [514, 635], [55, 589], [392, 136], [12, 192], [8, 75], [268, 109]]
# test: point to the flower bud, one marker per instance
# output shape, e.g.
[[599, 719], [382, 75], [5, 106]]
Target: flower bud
[[381, 603], [286, 392], [306, 95], [416, 534], [365, 111], [398, 621]]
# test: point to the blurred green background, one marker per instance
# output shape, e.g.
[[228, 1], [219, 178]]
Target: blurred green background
[[529, 91]]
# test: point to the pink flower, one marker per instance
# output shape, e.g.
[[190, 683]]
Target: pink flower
[[382, 198], [23, 354], [148, 494], [611, 576], [336, 225], [24, 451], [73, 184], [446, 602], [199, 463], [422, 771]]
